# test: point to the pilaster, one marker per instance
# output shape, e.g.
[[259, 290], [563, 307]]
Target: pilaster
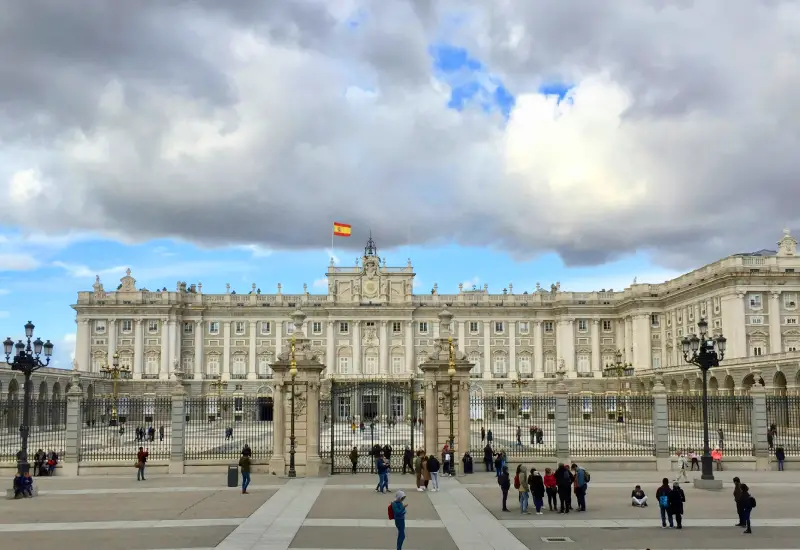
[[74, 425], [661, 425], [758, 420], [561, 396]]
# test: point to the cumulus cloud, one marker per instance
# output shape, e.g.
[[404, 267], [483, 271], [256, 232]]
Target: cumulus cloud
[[255, 123]]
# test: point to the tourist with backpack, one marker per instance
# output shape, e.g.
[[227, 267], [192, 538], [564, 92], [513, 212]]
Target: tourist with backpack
[[662, 496], [397, 512], [748, 503], [433, 468], [581, 478], [521, 483]]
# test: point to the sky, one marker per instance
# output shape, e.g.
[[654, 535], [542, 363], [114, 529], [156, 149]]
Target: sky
[[496, 143]]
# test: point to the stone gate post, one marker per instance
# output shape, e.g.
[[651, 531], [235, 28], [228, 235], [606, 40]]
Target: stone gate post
[[74, 425], [759, 423], [301, 361], [661, 425], [177, 439]]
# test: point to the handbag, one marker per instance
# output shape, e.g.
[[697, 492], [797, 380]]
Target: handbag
[[138, 465]]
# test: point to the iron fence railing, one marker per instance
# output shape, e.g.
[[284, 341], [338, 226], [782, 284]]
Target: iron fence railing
[[611, 425], [729, 424], [783, 420], [115, 429], [47, 429], [519, 424], [219, 428]]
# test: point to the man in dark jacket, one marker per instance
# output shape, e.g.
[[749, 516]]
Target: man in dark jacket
[[504, 480], [564, 483], [662, 496], [487, 457], [676, 500], [737, 499], [408, 456]]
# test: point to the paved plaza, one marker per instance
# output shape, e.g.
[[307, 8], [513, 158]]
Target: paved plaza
[[344, 512]]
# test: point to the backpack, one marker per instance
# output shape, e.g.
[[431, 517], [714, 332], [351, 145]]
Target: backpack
[[516, 481], [663, 501], [753, 502], [586, 476], [391, 512]]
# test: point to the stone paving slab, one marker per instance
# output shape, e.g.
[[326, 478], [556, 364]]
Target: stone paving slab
[[229, 503], [219, 480], [727, 538], [195, 538], [372, 538], [615, 504], [368, 504], [118, 525]]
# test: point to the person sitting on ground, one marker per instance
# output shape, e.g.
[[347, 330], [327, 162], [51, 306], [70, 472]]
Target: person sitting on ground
[[638, 498]]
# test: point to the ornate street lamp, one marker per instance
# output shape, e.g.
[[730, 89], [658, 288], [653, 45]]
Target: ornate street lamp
[[293, 374], [219, 385], [705, 352], [115, 372], [451, 373], [27, 359], [519, 384], [619, 368]]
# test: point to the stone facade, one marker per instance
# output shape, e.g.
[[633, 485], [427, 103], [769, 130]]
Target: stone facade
[[371, 324]]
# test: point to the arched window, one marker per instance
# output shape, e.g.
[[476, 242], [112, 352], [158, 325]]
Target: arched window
[[370, 365], [151, 364], [584, 364]]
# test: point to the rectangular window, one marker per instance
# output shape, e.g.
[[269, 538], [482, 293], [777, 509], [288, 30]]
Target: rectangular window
[[606, 325], [344, 408], [188, 328], [473, 327], [584, 364], [548, 326], [755, 301], [791, 320], [266, 327], [498, 327], [100, 327], [791, 347], [398, 407], [655, 321], [656, 362], [717, 323], [127, 326], [344, 327], [369, 324], [757, 350], [397, 365], [344, 365], [549, 364], [790, 300], [524, 327], [396, 327], [423, 327], [213, 327], [583, 325], [371, 365], [316, 327], [238, 327]]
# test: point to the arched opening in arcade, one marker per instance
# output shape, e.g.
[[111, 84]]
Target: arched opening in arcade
[[265, 404]]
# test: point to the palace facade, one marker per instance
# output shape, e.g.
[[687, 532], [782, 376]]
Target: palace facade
[[371, 324]]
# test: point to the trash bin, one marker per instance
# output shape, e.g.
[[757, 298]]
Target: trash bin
[[233, 475]]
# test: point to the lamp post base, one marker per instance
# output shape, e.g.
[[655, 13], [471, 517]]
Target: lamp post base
[[23, 467], [708, 484]]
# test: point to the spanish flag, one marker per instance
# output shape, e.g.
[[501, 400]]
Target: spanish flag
[[341, 229]]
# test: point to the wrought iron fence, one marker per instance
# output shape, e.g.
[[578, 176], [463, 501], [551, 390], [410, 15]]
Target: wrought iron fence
[[365, 414], [47, 429], [219, 428], [325, 420], [611, 425], [783, 419], [115, 429], [519, 424], [729, 424]]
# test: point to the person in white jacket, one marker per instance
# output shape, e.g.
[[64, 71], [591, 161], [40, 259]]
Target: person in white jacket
[[683, 465]]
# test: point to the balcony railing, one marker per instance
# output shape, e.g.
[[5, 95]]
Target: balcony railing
[[238, 376], [264, 376], [150, 376]]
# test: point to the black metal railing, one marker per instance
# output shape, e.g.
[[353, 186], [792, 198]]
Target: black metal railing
[[521, 425], [729, 424], [115, 429], [47, 430], [365, 414], [610, 425], [783, 420], [219, 428]]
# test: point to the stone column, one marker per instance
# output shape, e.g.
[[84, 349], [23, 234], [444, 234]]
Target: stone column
[[226, 350], [431, 421], [112, 340], [461, 337], [596, 363], [199, 341], [663, 324], [538, 350], [512, 349], [278, 337], [758, 419], [565, 342], [313, 460], [83, 345], [463, 437], [628, 340], [164, 369], [356, 347], [409, 351], [562, 422], [138, 350], [775, 323], [177, 428], [661, 426], [487, 349], [74, 426], [252, 360], [277, 464], [175, 328], [383, 349], [676, 342]]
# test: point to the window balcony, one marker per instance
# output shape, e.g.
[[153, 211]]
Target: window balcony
[[264, 376], [149, 376], [239, 376], [525, 375]]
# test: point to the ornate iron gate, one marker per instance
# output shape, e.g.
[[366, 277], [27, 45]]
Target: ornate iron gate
[[363, 414]]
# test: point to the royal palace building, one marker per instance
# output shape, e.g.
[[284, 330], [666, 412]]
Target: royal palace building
[[371, 324]]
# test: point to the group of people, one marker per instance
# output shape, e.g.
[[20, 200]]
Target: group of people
[[149, 434], [558, 486], [23, 485], [44, 463]]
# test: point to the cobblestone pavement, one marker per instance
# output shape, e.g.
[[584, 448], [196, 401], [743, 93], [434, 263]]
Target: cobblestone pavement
[[344, 512]]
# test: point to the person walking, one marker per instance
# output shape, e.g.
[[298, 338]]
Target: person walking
[[244, 465], [141, 461], [418, 471], [676, 500], [383, 474], [426, 475], [662, 496], [487, 457], [505, 485], [398, 508], [354, 459], [682, 467], [433, 468], [780, 456], [748, 503], [737, 499], [524, 490]]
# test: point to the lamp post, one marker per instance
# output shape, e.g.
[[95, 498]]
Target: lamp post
[[451, 373], [115, 371], [219, 384], [620, 369], [293, 374], [27, 360], [705, 352], [519, 384]]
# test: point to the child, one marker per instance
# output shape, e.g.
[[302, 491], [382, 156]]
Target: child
[[27, 485], [780, 456], [399, 512]]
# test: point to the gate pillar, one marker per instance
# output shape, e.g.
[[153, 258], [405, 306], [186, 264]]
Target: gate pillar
[[446, 376], [306, 387]]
